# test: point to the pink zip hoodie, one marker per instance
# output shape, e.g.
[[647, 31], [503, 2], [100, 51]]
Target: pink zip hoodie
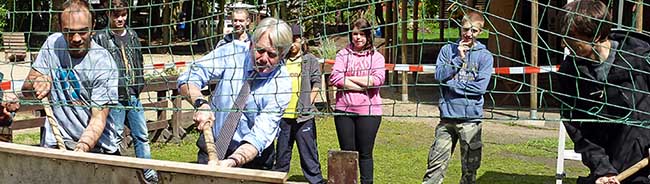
[[351, 63]]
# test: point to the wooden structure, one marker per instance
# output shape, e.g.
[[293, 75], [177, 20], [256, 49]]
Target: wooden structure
[[14, 46], [342, 167], [29, 164], [162, 128]]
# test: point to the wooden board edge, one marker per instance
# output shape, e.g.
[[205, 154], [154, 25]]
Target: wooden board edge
[[132, 162]]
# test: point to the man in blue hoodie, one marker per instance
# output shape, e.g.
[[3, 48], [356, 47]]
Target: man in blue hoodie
[[463, 69]]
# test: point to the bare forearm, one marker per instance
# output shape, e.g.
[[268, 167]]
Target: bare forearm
[[95, 127], [190, 92], [244, 154], [28, 86]]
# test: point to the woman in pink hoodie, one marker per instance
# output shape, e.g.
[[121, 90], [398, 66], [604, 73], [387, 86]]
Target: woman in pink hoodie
[[358, 73]]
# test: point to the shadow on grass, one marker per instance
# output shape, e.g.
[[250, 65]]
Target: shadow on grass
[[498, 177], [297, 178]]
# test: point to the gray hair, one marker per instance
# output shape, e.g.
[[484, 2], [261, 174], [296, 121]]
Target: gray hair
[[279, 33]]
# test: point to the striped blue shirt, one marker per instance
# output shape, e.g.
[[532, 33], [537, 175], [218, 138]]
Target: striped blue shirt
[[231, 64]]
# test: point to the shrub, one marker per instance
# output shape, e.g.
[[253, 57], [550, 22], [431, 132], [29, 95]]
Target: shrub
[[327, 49]]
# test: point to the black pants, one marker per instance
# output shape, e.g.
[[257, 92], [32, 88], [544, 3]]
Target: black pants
[[304, 134], [264, 162], [358, 133]]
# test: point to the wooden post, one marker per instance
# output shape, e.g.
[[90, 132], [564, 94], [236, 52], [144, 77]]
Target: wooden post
[[54, 24], [161, 113], [342, 167], [442, 16], [221, 16], [416, 48], [388, 37], [534, 22], [639, 16], [166, 29], [176, 115], [404, 47]]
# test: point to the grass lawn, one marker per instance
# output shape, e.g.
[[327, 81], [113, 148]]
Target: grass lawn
[[401, 151]]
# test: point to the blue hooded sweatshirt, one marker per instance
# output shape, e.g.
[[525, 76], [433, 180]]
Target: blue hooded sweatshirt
[[463, 83]]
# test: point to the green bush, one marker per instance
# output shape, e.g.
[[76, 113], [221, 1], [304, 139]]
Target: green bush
[[327, 49], [3, 16]]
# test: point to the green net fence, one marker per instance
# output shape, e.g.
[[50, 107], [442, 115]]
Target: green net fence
[[523, 36]]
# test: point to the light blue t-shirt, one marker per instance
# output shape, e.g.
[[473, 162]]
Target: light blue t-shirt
[[78, 85]]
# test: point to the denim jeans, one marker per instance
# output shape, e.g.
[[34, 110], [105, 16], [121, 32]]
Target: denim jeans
[[132, 114]]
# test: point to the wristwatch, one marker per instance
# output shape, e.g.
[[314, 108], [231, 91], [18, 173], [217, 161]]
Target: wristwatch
[[199, 102]]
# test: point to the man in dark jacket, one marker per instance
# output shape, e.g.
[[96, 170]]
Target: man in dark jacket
[[124, 46], [604, 92], [297, 124]]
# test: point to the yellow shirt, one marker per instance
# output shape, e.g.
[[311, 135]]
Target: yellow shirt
[[294, 66]]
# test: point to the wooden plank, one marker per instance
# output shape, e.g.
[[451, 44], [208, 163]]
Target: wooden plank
[[342, 167], [157, 104], [34, 107], [10, 43], [27, 164], [157, 125], [28, 123], [13, 34], [14, 39], [160, 86], [22, 50]]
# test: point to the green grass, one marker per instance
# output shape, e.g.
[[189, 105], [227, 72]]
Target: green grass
[[185, 151], [32, 138], [401, 151]]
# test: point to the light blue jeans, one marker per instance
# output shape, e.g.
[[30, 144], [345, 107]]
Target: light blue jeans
[[132, 114]]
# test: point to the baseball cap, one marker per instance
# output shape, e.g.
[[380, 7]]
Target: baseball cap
[[296, 30]]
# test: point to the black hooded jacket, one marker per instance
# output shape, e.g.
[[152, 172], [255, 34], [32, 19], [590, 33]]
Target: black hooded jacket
[[618, 92], [128, 85]]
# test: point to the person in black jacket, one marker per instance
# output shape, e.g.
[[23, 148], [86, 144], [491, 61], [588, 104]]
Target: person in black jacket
[[604, 93], [124, 46]]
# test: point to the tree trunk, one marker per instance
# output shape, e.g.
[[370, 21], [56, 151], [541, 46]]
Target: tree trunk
[[221, 18], [166, 30], [54, 24]]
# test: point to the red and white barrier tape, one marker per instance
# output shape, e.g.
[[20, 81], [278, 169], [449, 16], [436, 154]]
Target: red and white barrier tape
[[390, 67]]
